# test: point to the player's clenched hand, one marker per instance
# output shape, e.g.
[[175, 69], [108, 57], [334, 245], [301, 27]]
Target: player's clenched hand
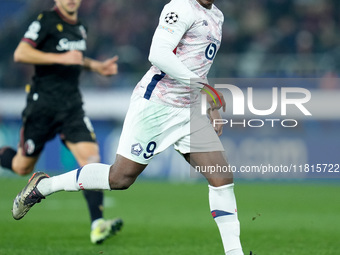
[[215, 115], [215, 101], [108, 67], [73, 57]]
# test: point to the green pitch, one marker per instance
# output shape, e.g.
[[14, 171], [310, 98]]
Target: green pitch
[[164, 218]]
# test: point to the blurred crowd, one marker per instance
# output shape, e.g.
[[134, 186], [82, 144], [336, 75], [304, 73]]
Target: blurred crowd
[[282, 38]]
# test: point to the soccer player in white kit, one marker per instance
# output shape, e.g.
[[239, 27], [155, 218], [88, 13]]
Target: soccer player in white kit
[[162, 113]]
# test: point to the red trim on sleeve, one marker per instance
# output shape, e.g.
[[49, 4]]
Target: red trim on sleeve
[[29, 41]]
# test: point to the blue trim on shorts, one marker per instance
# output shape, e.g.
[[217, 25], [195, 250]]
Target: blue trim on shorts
[[151, 86]]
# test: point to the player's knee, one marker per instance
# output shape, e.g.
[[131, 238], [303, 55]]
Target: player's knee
[[121, 182], [122, 186], [118, 186], [218, 182], [88, 159], [23, 170], [93, 159]]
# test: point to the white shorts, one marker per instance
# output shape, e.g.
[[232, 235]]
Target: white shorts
[[150, 128]]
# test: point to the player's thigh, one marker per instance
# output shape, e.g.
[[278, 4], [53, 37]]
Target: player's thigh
[[39, 126], [78, 135], [22, 164], [76, 127], [84, 152], [212, 165]]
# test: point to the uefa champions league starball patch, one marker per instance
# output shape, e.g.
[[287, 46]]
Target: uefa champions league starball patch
[[171, 18]]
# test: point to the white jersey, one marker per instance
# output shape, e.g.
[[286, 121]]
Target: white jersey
[[183, 48]]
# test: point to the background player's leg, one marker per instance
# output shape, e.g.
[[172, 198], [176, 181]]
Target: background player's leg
[[15, 161], [86, 153], [221, 199], [6, 156]]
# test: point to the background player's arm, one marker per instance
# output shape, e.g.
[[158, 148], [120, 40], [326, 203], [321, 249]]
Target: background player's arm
[[106, 68], [26, 53]]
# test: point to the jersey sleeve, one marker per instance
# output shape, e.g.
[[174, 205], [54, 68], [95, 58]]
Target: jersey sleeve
[[37, 31], [176, 18]]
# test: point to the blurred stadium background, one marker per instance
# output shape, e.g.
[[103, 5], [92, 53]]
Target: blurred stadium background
[[262, 38]]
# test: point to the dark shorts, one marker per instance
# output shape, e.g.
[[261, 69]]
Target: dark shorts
[[41, 124]]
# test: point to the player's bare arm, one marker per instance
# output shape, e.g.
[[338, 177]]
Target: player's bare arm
[[215, 115], [106, 68], [213, 99], [25, 53]]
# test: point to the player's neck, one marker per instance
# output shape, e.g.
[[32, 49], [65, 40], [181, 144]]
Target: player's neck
[[206, 4], [71, 18]]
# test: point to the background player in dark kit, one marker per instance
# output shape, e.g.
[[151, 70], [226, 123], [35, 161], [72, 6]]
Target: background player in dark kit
[[54, 43]]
